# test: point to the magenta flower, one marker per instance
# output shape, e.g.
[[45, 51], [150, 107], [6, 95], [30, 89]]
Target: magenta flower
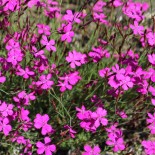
[[69, 80], [119, 72], [149, 147], [70, 17], [24, 98], [82, 113], [14, 57], [117, 143], [126, 83], [6, 109], [115, 138], [98, 7], [25, 73], [4, 125], [68, 34], [23, 115], [136, 28], [11, 5], [40, 122], [135, 10], [117, 3], [45, 82], [100, 17], [76, 59], [13, 46], [43, 29], [49, 44], [46, 148], [104, 72], [99, 116], [98, 53], [151, 58], [32, 3], [151, 38], [91, 151], [70, 130], [152, 90], [2, 78], [151, 122]]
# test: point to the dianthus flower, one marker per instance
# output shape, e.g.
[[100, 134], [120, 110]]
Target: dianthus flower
[[2, 78], [49, 44], [69, 80], [76, 59], [151, 58], [91, 151], [149, 147], [136, 28], [45, 82], [43, 29], [70, 17], [40, 122], [46, 147], [25, 73], [4, 126], [70, 130], [67, 33], [6, 109]]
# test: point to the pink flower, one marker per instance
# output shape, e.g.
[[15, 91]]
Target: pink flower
[[151, 38], [49, 44], [11, 5], [14, 57], [24, 98], [82, 113], [47, 147], [151, 58], [99, 117], [13, 46], [104, 72], [23, 115], [98, 53], [153, 101], [136, 28], [98, 7], [71, 131], [151, 122], [76, 58], [118, 144], [122, 114], [149, 147], [135, 10], [115, 138], [43, 29], [6, 109], [126, 83], [100, 17], [69, 80], [4, 125], [117, 3], [91, 151], [2, 78], [40, 122], [31, 3], [45, 82], [119, 72], [70, 17], [68, 34], [25, 73], [152, 90]]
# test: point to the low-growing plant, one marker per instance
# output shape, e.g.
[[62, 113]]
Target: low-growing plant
[[77, 76]]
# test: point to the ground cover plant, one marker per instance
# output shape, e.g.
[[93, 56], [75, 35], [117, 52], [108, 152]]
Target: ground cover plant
[[77, 77]]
